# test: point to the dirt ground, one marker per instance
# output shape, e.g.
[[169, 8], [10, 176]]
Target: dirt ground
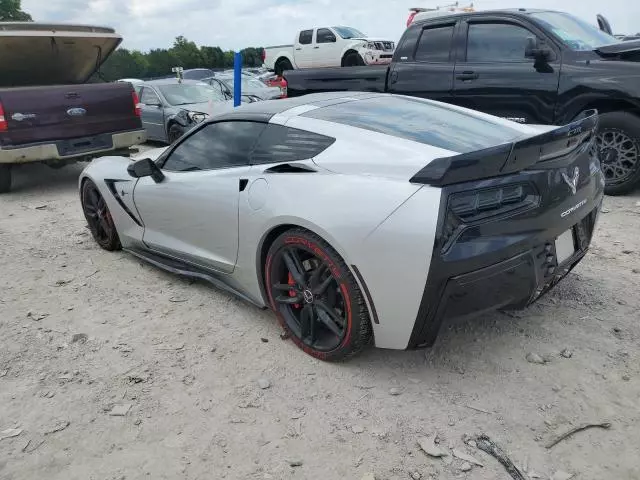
[[112, 369]]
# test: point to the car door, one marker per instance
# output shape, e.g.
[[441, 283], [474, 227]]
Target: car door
[[152, 113], [303, 49], [327, 50], [425, 63], [494, 76], [192, 215]]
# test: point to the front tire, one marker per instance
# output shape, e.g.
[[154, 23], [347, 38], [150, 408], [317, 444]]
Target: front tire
[[99, 217], [618, 143], [353, 59], [315, 297], [281, 66], [175, 132], [5, 178]]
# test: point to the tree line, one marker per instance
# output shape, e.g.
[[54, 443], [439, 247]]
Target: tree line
[[157, 62]]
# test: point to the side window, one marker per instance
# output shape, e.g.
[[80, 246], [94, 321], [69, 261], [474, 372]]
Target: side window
[[497, 42], [325, 35], [215, 146], [284, 144], [149, 97], [306, 36], [435, 44]]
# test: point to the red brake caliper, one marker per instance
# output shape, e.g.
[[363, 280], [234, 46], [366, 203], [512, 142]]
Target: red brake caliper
[[292, 292]]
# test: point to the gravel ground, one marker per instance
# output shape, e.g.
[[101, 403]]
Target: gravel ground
[[113, 369]]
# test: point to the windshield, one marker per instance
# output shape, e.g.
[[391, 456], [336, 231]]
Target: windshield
[[348, 32], [247, 82], [184, 94], [577, 34]]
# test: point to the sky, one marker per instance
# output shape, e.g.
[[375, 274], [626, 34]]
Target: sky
[[235, 24]]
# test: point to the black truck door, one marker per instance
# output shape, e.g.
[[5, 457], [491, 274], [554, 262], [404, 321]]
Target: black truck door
[[423, 65], [494, 76]]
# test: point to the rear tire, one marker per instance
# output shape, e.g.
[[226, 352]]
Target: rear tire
[[315, 297], [175, 132], [281, 66], [353, 59], [99, 217], [618, 141], [5, 178]]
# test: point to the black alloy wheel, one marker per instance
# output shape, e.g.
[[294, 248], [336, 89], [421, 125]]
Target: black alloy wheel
[[315, 296], [98, 217]]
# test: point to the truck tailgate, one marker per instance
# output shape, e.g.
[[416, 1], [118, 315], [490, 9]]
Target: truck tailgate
[[53, 113], [361, 79]]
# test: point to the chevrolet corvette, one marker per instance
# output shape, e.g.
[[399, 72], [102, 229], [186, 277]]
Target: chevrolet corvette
[[358, 218]]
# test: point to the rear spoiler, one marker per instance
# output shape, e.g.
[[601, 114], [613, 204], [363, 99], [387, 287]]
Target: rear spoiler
[[510, 157]]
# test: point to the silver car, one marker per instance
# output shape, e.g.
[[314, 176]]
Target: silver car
[[250, 85], [358, 217], [170, 108]]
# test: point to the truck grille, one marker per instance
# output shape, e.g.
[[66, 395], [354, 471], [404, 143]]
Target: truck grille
[[385, 46]]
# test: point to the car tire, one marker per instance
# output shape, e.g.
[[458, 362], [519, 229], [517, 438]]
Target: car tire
[[325, 315], [618, 142], [5, 178], [99, 217], [353, 59], [175, 132], [281, 66]]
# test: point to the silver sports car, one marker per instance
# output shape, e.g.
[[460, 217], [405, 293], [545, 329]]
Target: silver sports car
[[357, 217]]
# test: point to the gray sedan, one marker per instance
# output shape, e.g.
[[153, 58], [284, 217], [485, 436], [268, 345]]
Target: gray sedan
[[250, 86], [170, 108]]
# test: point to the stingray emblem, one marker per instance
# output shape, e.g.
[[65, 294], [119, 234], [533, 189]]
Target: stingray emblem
[[573, 181]]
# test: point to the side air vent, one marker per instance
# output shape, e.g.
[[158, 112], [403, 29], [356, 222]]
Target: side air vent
[[290, 168]]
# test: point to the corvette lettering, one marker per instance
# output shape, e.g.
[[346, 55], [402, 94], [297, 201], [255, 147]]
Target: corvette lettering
[[574, 208]]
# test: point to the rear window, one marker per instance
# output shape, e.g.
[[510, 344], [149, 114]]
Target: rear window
[[418, 121]]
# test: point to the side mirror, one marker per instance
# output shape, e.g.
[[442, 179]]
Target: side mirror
[[145, 168], [537, 50]]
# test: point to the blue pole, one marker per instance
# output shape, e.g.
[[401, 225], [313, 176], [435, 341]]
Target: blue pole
[[237, 79]]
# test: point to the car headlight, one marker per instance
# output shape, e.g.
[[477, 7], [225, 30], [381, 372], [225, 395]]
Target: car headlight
[[197, 117], [371, 46]]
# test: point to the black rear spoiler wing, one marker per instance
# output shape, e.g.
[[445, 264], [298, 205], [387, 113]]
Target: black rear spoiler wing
[[510, 157]]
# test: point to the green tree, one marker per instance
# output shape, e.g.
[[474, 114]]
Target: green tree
[[186, 53], [160, 61], [11, 11], [212, 57], [125, 64]]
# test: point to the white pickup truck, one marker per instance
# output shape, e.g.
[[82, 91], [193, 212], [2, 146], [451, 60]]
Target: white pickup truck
[[328, 47]]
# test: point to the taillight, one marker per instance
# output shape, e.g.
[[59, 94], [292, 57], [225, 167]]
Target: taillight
[[283, 88], [136, 104], [411, 17], [4, 126]]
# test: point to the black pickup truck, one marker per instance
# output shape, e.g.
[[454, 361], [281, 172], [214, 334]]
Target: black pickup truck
[[530, 66]]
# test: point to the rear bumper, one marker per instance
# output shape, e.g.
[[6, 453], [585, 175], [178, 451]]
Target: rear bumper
[[513, 283], [66, 150]]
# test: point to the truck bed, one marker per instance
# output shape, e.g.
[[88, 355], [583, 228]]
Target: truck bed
[[361, 79]]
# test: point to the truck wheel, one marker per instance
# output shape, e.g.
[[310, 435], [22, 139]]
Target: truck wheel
[[5, 178], [352, 59], [618, 141], [175, 132], [282, 65]]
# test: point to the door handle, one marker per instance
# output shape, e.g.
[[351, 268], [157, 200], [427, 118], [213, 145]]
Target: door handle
[[299, 48], [316, 47], [467, 76]]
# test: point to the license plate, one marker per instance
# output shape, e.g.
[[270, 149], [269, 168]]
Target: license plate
[[565, 246]]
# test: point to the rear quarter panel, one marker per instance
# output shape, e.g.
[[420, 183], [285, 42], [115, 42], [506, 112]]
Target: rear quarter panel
[[385, 227]]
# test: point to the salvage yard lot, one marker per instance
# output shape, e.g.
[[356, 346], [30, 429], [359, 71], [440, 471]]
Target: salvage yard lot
[[113, 369]]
